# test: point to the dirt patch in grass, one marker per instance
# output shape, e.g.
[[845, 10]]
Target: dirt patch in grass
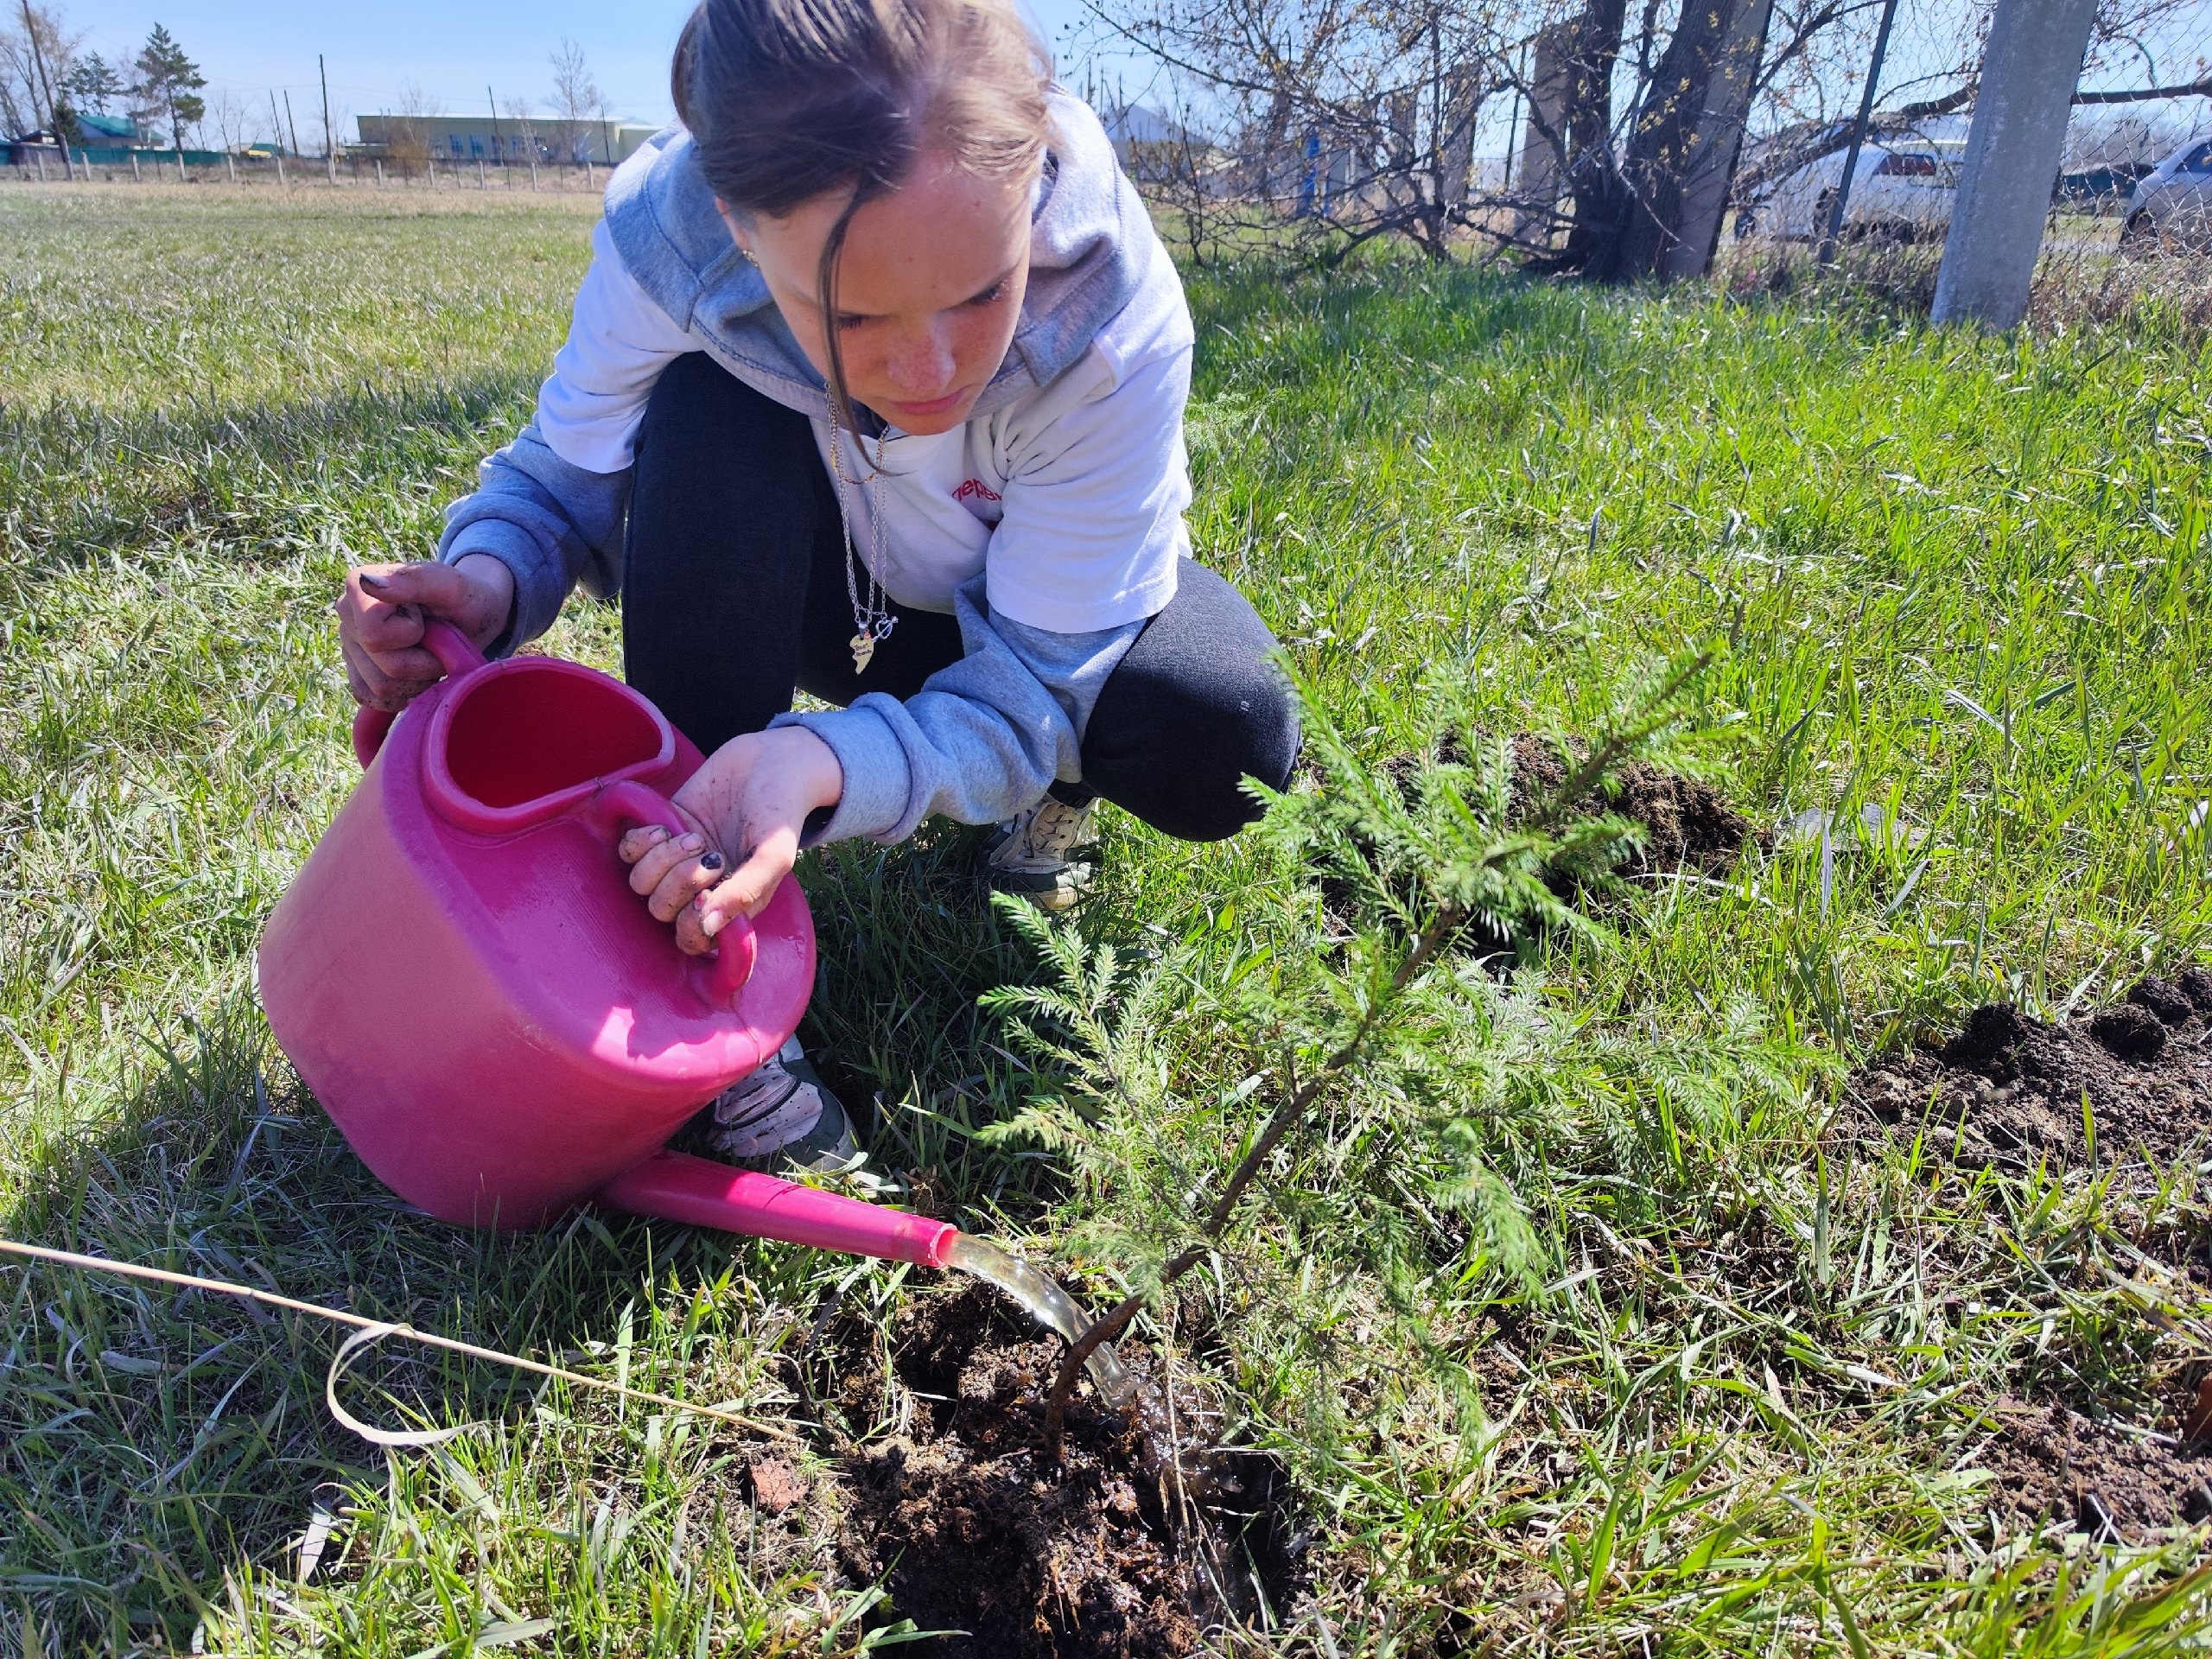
[[1124, 1549], [2008, 1091], [1688, 825], [2051, 1463]]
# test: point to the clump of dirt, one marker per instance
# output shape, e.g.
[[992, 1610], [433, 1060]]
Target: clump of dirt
[[2131, 1032], [2049, 1463], [1687, 825], [1137, 1544], [2009, 1091]]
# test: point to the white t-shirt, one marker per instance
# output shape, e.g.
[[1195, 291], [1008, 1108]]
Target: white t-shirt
[[1068, 500]]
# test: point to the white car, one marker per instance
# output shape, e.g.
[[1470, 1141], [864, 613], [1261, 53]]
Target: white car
[[1902, 191], [2172, 207]]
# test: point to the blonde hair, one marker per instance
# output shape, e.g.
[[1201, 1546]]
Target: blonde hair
[[788, 100]]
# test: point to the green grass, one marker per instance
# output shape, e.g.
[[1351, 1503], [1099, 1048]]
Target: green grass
[[1730, 1405]]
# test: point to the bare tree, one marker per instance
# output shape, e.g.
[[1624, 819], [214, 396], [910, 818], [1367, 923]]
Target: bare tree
[[406, 132], [232, 116], [522, 114], [38, 50], [576, 101], [1349, 120], [1627, 129]]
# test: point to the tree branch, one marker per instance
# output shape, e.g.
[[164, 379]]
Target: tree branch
[[2201, 88]]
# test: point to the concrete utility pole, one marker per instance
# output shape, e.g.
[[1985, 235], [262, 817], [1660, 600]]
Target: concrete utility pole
[[1540, 174], [2013, 150], [329, 147]]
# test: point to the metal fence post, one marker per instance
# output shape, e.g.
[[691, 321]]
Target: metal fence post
[[1832, 232]]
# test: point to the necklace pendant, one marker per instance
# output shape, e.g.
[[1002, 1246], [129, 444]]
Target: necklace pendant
[[863, 648]]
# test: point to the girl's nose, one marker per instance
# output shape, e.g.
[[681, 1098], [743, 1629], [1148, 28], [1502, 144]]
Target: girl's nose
[[921, 364]]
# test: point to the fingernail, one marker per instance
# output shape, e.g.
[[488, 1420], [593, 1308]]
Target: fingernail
[[655, 835], [368, 580], [710, 860], [693, 843], [710, 923]]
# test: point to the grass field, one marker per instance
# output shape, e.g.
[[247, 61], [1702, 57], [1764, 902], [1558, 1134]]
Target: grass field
[[1576, 1323]]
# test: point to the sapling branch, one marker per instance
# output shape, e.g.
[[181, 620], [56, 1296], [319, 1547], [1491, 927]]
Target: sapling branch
[[1617, 746]]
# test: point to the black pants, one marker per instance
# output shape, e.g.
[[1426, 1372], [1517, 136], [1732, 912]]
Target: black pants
[[733, 594]]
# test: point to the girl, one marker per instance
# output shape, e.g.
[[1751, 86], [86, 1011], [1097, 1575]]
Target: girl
[[873, 390]]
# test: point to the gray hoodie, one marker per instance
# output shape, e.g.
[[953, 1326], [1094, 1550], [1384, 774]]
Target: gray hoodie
[[1050, 524]]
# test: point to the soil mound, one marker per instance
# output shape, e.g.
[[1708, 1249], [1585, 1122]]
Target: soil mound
[[2008, 1089], [1687, 825], [2049, 1463], [1133, 1545]]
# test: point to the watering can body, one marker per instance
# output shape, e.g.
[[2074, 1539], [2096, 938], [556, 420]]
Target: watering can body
[[463, 975]]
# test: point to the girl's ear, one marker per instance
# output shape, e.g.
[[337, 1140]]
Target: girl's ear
[[736, 228]]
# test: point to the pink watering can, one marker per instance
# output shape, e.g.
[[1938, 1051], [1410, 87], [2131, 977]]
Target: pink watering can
[[463, 975]]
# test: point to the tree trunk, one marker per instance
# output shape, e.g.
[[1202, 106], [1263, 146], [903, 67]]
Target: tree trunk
[[1673, 127], [1710, 177], [1538, 179], [1601, 195]]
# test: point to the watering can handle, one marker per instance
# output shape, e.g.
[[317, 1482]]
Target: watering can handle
[[631, 804], [456, 653]]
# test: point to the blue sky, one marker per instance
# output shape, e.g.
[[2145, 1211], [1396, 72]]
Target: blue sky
[[451, 51]]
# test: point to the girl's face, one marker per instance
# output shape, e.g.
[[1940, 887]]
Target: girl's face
[[929, 288]]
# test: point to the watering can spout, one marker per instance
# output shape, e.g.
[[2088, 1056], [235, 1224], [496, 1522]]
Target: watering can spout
[[674, 1186]]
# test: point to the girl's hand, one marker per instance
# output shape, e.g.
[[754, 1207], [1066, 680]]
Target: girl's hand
[[752, 797], [381, 611]]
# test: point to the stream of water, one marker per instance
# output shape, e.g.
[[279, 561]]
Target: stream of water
[[1049, 1305]]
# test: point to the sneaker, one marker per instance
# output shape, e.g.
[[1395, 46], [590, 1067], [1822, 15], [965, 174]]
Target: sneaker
[[781, 1118], [1035, 854]]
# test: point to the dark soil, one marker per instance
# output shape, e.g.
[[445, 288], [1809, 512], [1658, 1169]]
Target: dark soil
[[1687, 825], [1123, 1548], [2051, 1463], [2008, 1091]]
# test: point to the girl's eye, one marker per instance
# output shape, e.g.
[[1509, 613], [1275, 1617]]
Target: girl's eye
[[990, 296], [848, 321]]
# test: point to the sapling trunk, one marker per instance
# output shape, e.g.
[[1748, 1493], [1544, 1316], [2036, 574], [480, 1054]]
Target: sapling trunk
[[1449, 910], [1287, 1116]]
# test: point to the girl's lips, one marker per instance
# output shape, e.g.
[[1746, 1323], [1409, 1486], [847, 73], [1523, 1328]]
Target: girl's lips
[[934, 405]]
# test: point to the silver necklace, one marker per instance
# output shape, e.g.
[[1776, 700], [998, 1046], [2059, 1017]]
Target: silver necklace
[[872, 618]]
